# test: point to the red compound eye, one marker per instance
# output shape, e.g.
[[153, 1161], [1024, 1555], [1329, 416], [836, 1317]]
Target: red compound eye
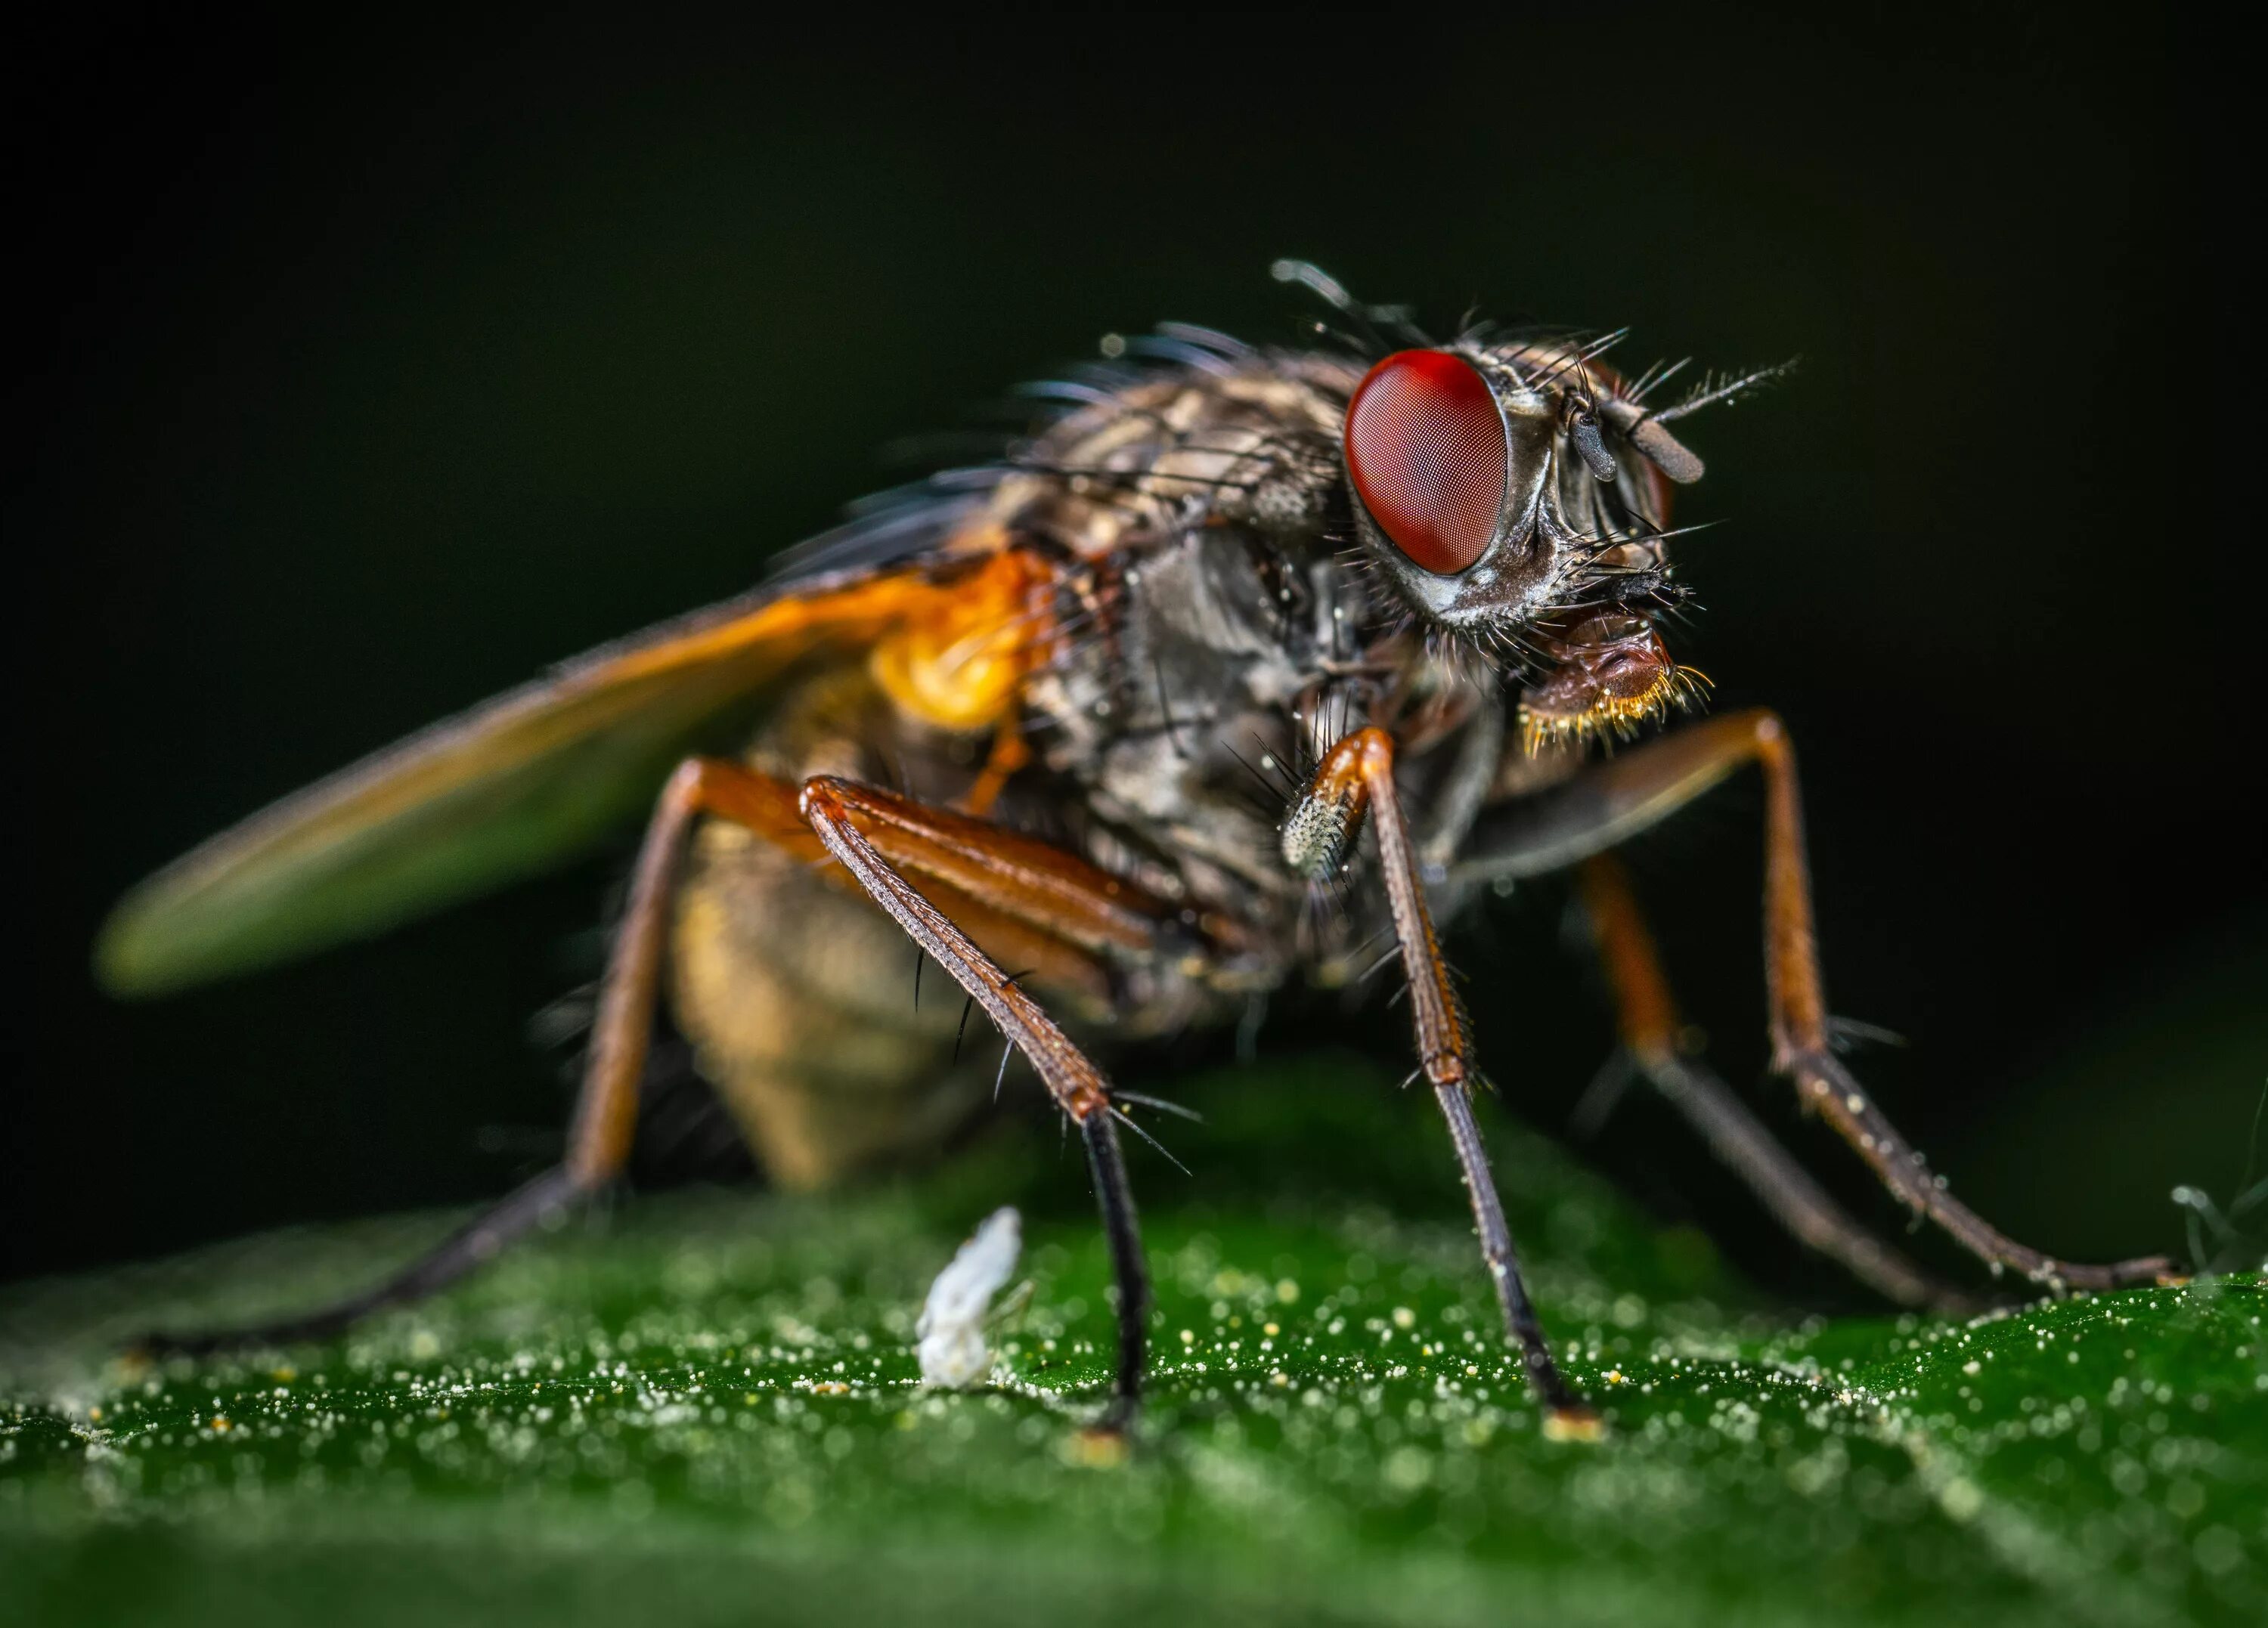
[[1425, 447]]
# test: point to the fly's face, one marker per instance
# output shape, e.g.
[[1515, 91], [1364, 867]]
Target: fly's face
[[1514, 496]]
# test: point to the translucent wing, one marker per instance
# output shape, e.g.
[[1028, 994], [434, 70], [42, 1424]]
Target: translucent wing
[[512, 787]]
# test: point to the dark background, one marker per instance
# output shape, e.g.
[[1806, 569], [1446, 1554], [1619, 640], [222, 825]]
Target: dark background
[[366, 374]]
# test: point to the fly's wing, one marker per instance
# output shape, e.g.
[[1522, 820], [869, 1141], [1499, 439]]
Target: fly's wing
[[511, 787]]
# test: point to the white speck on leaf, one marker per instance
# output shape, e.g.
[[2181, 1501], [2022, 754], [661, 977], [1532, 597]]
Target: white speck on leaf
[[951, 1327]]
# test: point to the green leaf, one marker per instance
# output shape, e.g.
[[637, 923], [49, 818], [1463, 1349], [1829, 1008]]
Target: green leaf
[[704, 1408]]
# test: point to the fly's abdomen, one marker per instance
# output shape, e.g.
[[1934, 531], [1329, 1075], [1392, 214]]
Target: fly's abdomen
[[799, 999]]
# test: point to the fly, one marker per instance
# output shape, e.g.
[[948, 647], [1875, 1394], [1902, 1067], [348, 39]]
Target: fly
[[1016, 716]]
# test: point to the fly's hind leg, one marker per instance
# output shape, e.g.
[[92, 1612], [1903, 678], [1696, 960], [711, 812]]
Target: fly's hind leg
[[1023, 889], [1646, 1015], [606, 1105], [1608, 802]]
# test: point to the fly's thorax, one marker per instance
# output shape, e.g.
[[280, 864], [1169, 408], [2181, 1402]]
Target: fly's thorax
[[1175, 714], [1252, 443], [1222, 664]]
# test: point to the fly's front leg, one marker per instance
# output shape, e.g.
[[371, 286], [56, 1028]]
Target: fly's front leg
[[1623, 796], [1646, 1015], [1357, 778]]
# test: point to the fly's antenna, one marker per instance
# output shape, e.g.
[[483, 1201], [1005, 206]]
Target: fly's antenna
[[1648, 430], [1648, 434], [1711, 394]]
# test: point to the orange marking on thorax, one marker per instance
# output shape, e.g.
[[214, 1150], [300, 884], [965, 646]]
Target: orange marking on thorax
[[957, 654]]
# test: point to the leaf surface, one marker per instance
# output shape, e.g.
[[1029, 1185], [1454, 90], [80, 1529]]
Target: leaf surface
[[705, 1408]]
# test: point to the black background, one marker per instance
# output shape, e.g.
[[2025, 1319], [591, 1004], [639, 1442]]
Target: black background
[[365, 373]]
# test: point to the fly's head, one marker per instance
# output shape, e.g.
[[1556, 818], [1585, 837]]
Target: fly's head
[[1515, 497]]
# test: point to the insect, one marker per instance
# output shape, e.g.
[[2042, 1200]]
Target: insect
[[1247, 666]]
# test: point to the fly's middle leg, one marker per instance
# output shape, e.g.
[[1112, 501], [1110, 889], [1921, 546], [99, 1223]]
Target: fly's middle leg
[[1648, 1018]]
